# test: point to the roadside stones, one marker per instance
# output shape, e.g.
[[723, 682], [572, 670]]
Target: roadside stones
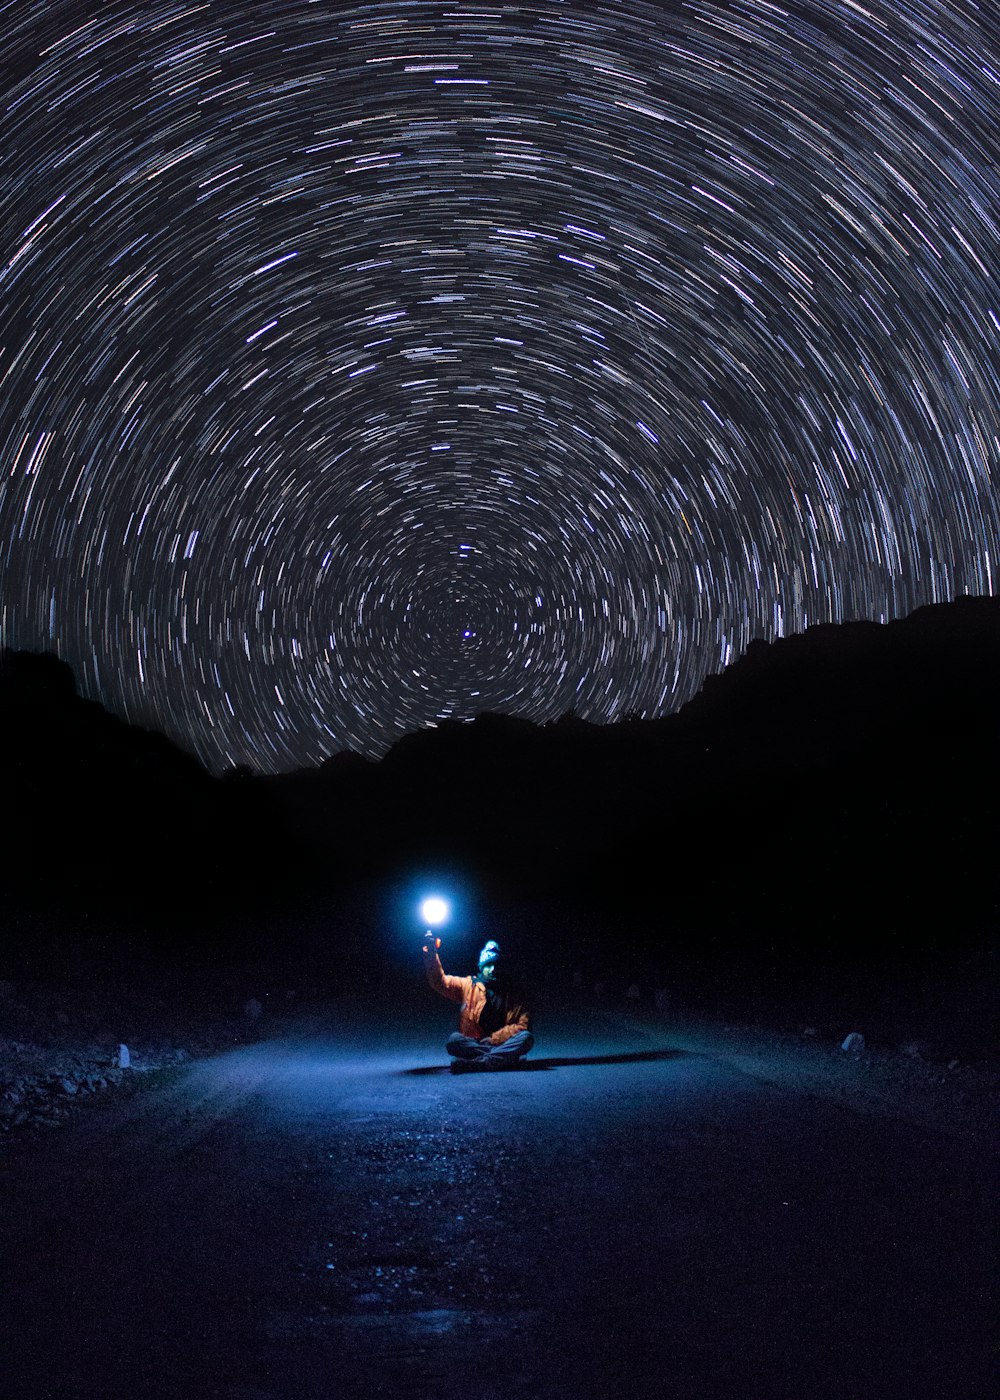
[[66, 1055], [853, 1044]]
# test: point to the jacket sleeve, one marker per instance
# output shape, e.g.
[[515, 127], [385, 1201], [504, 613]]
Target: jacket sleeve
[[522, 1022], [451, 987]]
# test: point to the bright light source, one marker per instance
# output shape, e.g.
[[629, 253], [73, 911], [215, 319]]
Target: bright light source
[[434, 910]]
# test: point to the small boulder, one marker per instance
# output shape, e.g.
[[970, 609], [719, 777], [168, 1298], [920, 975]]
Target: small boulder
[[854, 1043], [123, 1059]]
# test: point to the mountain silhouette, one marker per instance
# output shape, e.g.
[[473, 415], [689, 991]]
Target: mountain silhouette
[[828, 799], [104, 822]]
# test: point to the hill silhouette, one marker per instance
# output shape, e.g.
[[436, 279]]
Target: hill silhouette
[[811, 747], [112, 835], [821, 815], [825, 806]]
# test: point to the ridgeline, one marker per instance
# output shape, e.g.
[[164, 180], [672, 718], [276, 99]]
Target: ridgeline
[[824, 810]]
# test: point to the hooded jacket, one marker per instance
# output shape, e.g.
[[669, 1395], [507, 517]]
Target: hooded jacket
[[470, 994]]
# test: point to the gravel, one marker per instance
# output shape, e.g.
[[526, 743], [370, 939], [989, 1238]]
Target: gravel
[[61, 1047]]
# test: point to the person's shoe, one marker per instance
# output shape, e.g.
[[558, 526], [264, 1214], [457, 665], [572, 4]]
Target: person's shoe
[[465, 1066]]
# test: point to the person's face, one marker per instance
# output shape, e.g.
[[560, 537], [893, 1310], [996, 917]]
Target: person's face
[[487, 960]]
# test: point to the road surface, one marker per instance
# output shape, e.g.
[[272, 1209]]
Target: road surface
[[332, 1214]]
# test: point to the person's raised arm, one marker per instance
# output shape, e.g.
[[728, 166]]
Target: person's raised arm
[[451, 987]]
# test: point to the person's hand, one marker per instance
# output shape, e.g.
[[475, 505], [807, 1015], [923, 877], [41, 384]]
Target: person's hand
[[430, 944], [486, 1040]]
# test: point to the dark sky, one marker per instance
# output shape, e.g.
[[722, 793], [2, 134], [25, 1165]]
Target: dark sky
[[363, 365]]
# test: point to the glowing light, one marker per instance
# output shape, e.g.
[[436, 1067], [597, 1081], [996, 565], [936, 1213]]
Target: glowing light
[[434, 911]]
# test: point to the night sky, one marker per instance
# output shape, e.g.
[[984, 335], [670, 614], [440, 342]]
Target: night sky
[[366, 365]]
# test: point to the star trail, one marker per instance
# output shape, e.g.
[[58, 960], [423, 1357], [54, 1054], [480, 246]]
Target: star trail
[[367, 365]]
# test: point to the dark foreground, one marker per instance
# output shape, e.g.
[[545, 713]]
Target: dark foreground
[[334, 1215]]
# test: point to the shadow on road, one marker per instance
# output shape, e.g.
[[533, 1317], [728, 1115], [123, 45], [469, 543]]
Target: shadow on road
[[560, 1061]]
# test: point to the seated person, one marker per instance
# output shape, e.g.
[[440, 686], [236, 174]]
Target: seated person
[[493, 1020]]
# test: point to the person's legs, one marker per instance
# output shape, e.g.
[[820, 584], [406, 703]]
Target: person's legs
[[505, 1056], [463, 1047]]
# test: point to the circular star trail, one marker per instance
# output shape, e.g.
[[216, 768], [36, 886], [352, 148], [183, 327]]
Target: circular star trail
[[366, 365]]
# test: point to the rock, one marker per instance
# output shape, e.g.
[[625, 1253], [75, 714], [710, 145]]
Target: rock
[[954, 1064], [810, 1031], [123, 1059], [854, 1043], [68, 1086]]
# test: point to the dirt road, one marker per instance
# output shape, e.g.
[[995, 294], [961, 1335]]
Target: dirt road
[[335, 1215]]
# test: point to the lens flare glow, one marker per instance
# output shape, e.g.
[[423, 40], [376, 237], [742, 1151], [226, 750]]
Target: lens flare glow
[[434, 910]]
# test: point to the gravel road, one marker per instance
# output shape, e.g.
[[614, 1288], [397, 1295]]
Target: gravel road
[[332, 1214]]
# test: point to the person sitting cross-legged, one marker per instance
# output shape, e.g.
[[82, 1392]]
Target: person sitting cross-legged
[[493, 1020]]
